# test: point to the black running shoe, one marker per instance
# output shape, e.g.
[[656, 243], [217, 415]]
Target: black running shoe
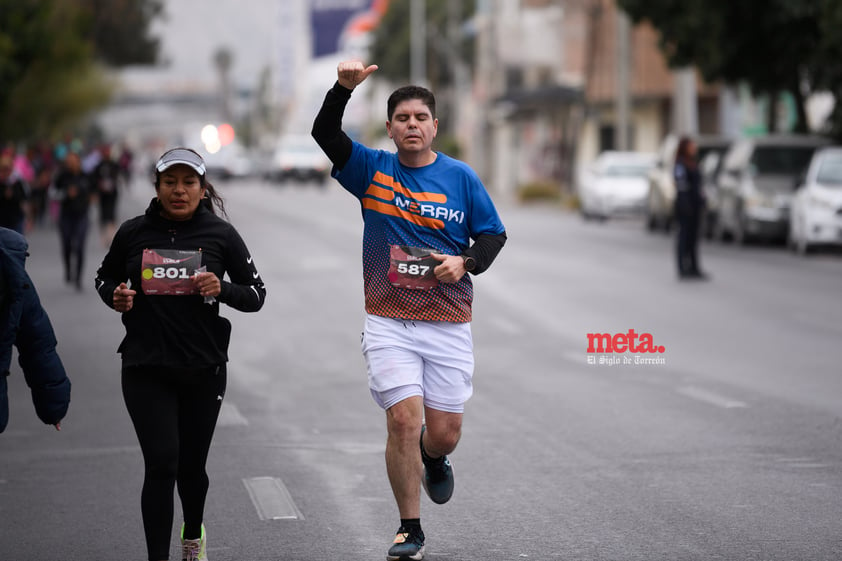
[[408, 545], [438, 475]]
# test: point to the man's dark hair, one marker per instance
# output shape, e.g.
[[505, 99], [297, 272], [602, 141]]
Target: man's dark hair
[[411, 92]]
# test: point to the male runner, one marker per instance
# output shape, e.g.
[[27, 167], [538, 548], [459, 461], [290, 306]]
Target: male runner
[[421, 208]]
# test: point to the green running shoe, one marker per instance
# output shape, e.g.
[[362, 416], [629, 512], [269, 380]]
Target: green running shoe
[[194, 550]]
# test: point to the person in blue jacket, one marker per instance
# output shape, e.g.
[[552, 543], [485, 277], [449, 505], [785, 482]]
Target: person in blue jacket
[[689, 205], [25, 325]]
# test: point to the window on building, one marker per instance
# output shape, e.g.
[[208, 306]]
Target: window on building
[[514, 77], [608, 138]]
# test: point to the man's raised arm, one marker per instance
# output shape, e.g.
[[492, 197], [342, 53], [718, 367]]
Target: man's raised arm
[[327, 127]]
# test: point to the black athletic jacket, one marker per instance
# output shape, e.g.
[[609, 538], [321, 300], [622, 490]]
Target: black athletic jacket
[[179, 331]]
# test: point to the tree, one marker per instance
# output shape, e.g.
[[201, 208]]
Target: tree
[[390, 49], [448, 53], [47, 75], [120, 29], [52, 56], [771, 45], [826, 72]]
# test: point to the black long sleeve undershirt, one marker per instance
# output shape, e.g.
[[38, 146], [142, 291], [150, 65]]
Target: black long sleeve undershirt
[[328, 134], [327, 127], [485, 250]]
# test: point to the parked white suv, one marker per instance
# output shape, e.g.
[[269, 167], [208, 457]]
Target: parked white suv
[[756, 185], [815, 216]]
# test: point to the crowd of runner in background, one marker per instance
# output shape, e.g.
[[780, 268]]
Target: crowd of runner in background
[[31, 197]]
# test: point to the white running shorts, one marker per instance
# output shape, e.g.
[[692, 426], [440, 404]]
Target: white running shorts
[[432, 359]]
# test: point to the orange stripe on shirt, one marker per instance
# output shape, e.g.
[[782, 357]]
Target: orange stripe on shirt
[[392, 210], [380, 192], [423, 197]]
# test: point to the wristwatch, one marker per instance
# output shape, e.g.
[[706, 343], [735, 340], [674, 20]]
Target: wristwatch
[[470, 263]]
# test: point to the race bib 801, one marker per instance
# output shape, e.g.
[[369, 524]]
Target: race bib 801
[[169, 271], [412, 267]]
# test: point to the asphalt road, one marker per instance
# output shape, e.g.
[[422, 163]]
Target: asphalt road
[[726, 447]]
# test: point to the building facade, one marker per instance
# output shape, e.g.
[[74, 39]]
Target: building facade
[[555, 78]]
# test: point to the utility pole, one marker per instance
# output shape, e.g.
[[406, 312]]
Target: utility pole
[[623, 57], [418, 42], [223, 59], [685, 105], [460, 82]]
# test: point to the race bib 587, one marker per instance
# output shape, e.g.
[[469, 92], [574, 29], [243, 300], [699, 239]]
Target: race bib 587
[[412, 267]]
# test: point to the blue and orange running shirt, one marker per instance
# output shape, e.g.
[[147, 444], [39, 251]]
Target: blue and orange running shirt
[[441, 206]]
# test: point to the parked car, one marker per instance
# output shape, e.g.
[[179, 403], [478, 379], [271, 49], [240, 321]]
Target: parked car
[[228, 162], [815, 217], [614, 184], [755, 186], [298, 158], [660, 199]]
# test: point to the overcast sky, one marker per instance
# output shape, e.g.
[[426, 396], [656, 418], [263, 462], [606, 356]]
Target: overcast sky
[[194, 30], [259, 33]]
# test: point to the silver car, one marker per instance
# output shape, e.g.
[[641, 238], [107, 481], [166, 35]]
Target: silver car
[[756, 185], [614, 184]]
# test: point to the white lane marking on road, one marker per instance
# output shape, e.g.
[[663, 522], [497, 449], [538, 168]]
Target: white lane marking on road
[[710, 397], [271, 499], [801, 462], [230, 416]]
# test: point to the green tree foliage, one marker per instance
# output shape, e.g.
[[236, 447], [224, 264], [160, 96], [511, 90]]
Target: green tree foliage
[[773, 46], [826, 71], [51, 61], [120, 29], [390, 49]]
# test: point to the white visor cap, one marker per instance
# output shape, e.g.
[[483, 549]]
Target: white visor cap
[[181, 156]]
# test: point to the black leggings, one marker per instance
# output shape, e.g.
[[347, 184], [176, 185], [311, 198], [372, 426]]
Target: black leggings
[[688, 242], [174, 413]]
